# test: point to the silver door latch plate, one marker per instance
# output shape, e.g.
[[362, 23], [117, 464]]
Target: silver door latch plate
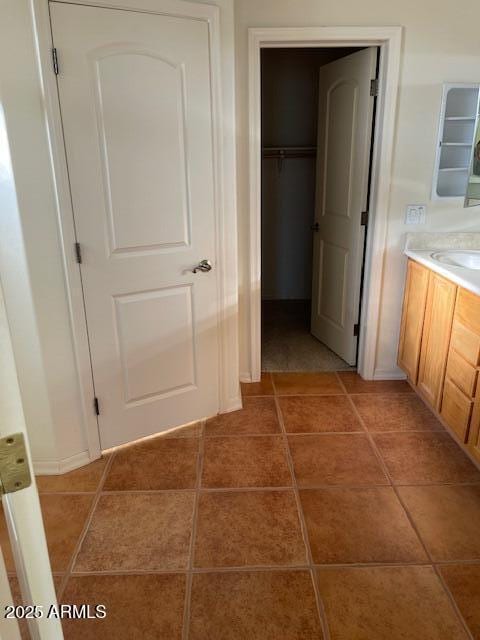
[[14, 470]]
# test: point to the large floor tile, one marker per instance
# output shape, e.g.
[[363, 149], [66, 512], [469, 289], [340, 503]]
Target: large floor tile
[[463, 581], [310, 414], [262, 388], [395, 412], [425, 457], [387, 603], [138, 531], [261, 605], [189, 430], [306, 383], [157, 463], [138, 606], [256, 461], [259, 415], [64, 518], [340, 459], [447, 518], [255, 528], [84, 479], [359, 526], [355, 384]]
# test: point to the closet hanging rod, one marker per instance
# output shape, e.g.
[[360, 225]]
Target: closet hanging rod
[[289, 152]]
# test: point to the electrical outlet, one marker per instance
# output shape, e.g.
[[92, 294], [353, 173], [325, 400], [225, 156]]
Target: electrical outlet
[[415, 214]]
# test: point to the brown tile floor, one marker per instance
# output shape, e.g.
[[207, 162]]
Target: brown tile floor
[[329, 507]]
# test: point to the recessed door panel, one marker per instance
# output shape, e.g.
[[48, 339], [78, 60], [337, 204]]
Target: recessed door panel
[[332, 290], [141, 122], [156, 328], [340, 148]]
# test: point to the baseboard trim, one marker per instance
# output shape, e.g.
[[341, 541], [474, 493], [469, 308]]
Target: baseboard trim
[[57, 467], [389, 374], [246, 377], [234, 405]]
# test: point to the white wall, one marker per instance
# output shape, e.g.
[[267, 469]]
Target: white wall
[[30, 255], [440, 45]]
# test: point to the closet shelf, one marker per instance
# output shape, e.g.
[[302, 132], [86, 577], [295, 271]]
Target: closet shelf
[[289, 152], [456, 144], [454, 168], [460, 118]]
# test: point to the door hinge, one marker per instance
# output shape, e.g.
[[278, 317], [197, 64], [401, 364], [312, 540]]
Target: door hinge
[[55, 61], [14, 469], [315, 227], [78, 252], [96, 406], [374, 87], [364, 219], [356, 329]]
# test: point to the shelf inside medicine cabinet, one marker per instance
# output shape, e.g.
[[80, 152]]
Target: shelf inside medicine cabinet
[[455, 139]]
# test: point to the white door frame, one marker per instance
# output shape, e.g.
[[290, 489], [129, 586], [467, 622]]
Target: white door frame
[[389, 39], [218, 16]]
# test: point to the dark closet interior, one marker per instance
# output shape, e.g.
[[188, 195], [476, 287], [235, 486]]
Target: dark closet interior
[[289, 144]]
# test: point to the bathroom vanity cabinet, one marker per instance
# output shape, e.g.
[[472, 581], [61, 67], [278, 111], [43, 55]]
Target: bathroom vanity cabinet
[[439, 349]]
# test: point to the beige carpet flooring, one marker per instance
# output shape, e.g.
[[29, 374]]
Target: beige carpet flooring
[[288, 345]]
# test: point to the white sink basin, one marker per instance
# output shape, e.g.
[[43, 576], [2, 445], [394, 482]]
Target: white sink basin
[[459, 258]]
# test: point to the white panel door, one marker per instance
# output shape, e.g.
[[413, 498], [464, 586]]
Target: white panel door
[[343, 156], [135, 97]]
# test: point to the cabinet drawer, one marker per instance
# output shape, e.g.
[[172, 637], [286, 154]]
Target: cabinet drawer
[[463, 374], [465, 341], [467, 310], [456, 409]]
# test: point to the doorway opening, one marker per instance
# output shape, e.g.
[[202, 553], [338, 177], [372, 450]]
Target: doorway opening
[[317, 123]]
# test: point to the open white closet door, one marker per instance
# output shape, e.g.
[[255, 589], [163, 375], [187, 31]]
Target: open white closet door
[[23, 515], [135, 92], [345, 115]]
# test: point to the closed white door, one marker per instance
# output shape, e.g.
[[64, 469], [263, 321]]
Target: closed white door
[[135, 98], [345, 115]]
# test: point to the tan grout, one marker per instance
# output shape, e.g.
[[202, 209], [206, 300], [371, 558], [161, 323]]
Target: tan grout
[[408, 515], [193, 535], [303, 525], [86, 526], [266, 567]]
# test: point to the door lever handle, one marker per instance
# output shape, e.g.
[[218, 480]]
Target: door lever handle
[[203, 265]]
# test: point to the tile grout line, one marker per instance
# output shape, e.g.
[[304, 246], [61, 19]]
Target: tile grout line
[[407, 513], [88, 521], [189, 574], [453, 602], [266, 567], [303, 525]]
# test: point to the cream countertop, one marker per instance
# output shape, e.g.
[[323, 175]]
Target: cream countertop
[[420, 246]]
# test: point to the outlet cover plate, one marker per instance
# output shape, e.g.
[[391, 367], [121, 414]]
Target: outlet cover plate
[[415, 214]]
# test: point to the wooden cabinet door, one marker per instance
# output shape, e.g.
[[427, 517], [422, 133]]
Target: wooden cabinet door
[[413, 315], [436, 338], [474, 437]]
